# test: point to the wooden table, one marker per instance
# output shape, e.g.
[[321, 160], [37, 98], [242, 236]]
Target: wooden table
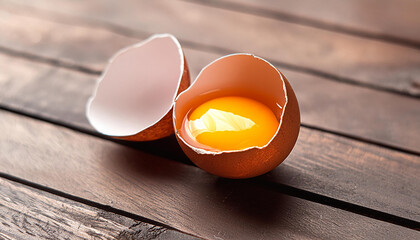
[[353, 174]]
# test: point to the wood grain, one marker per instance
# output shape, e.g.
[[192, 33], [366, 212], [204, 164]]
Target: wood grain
[[326, 104], [30, 213], [362, 174], [340, 56], [371, 18], [179, 195]]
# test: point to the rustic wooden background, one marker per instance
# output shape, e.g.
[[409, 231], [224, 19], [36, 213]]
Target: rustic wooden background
[[354, 172]]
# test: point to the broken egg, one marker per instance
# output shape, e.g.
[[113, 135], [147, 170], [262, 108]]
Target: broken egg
[[239, 119], [235, 102], [134, 96]]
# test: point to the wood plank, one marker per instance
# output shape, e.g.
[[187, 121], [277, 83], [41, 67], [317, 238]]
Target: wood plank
[[391, 20], [179, 195], [329, 105], [360, 112], [327, 164], [339, 56], [30, 213]]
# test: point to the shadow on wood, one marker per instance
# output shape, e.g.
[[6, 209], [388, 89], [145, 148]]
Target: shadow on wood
[[240, 199], [243, 198], [166, 147]]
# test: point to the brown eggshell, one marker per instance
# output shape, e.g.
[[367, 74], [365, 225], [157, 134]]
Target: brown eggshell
[[253, 77], [133, 98]]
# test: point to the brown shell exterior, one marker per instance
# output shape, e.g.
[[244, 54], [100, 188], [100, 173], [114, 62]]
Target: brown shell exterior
[[254, 162], [164, 127]]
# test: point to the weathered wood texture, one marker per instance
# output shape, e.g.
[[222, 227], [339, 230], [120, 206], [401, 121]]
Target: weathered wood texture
[[326, 104], [166, 191], [386, 19], [346, 57], [27, 213], [363, 174]]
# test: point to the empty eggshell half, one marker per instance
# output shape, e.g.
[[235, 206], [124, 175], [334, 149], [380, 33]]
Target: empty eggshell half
[[249, 76], [135, 94]]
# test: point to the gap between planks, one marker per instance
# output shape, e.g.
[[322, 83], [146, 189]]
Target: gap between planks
[[134, 33], [49, 61]]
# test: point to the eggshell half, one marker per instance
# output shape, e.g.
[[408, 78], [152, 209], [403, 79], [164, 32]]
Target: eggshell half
[[134, 96], [253, 77]]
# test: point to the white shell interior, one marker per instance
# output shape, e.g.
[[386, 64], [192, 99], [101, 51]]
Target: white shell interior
[[138, 87]]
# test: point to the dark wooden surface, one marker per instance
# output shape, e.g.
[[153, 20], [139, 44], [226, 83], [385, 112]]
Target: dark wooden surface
[[60, 95], [354, 172], [173, 193]]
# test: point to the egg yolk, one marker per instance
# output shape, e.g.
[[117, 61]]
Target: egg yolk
[[232, 123]]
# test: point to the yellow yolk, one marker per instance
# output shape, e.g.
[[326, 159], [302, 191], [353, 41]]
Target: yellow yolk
[[232, 123]]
